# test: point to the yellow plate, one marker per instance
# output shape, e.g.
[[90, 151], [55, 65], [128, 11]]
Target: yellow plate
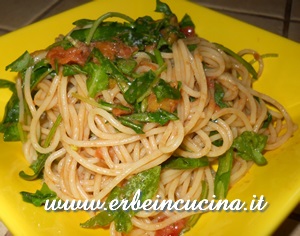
[[278, 182]]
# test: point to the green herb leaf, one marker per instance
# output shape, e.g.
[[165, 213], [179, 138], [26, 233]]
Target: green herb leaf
[[218, 142], [139, 87], [184, 163], [109, 106], [10, 132], [97, 78], [39, 72], [104, 217], [8, 84], [248, 66], [219, 95], [38, 165], [73, 69], [192, 47], [83, 22], [141, 32], [101, 19], [164, 90], [163, 8], [22, 63], [40, 196], [204, 192], [11, 114], [249, 146], [160, 116], [137, 127], [112, 70], [146, 181], [158, 57], [65, 43], [267, 121], [126, 66], [9, 124], [123, 222], [105, 32], [222, 178], [186, 22]]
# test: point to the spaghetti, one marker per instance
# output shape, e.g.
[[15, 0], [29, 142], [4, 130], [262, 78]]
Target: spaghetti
[[93, 141]]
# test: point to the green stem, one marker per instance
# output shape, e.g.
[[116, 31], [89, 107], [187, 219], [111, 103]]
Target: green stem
[[52, 131], [159, 59], [264, 56], [40, 162], [237, 57], [101, 19]]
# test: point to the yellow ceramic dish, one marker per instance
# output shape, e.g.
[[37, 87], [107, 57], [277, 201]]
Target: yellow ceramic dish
[[279, 181]]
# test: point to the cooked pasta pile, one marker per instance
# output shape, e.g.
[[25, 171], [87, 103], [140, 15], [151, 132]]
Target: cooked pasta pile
[[93, 150]]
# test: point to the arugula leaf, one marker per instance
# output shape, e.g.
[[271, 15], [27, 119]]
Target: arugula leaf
[[158, 57], [38, 165], [101, 19], [39, 72], [65, 43], [186, 21], [146, 181], [267, 121], [9, 125], [164, 90], [141, 32], [204, 192], [136, 120], [8, 84], [10, 132], [222, 178], [137, 127], [163, 8], [109, 106], [126, 65], [249, 146], [11, 114], [184, 163], [104, 217], [73, 69], [22, 63], [160, 116], [90, 34], [192, 47], [40, 196], [107, 31], [83, 22], [248, 66], [219, 95], [139, 87], [102, 104], [97, 78], [112, 70], [218, 142], [123, 222]]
